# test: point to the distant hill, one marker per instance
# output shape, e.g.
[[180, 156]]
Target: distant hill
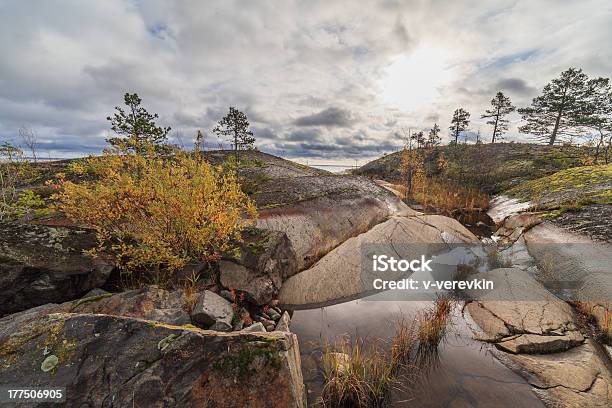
[[553, 179], [491, 167]]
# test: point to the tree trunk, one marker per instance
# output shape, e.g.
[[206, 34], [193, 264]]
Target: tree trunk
[[409, 182], [553, 136], [599, 144], [235, 144], [495, 128], [559, 114]]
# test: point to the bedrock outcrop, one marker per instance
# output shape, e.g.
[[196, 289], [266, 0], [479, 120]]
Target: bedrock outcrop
[[113, 361], [266, 259], [571, 265], [538, 332], [44, 264], [339, 273], [322, 212]]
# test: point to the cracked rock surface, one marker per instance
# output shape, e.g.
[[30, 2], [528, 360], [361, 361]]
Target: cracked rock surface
[[538, 332], [112, 361], [575, 378], [519, 304]]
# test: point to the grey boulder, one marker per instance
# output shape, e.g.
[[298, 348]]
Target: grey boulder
[[213, 312]]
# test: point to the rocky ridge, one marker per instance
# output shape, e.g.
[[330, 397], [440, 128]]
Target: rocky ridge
[[536, 332]]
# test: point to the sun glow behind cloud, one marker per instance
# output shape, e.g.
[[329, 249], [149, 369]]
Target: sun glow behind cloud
[[414, 80]]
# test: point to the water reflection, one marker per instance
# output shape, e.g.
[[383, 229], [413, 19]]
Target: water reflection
[[465, 374]]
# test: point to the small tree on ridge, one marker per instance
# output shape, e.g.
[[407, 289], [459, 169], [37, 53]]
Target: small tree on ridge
[[137, 127], [459, 123], [501, 107], [235, 127], [555, 113]]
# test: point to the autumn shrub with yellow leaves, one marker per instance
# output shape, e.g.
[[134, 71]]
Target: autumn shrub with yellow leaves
[[156, 213], [436, 190]]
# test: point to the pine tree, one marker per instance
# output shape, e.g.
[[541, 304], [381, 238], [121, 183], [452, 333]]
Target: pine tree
[[137, 127], [419, 139], [597, 114], [433, 137], [501, 107], [459, 123], [235, 126], [555, 114]]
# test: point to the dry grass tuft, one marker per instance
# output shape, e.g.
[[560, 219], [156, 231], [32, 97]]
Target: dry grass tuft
[[359, 375], [432, 328], [190, 287], [356, 375], [596, 318], [404, 342], [446, 196]]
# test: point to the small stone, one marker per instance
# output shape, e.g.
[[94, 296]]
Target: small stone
[[212, 310], [269, 327], [264, 320], [265, 316], [255, 327], [283, 323], [221, 326]]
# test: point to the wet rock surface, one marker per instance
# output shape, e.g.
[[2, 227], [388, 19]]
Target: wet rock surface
[[339, 274], [540, 333], [43, 264], [110, 361], [575, 378], [594, 221]]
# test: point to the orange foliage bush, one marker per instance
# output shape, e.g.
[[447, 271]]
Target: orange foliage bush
[[157, 212]]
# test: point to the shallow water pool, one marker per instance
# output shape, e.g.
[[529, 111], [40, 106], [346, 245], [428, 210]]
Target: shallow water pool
[[466, 373]]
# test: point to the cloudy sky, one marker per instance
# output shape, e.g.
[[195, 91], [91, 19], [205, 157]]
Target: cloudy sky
[[319, 80]]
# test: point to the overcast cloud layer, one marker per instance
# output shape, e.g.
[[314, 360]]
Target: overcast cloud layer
[[334, 80]]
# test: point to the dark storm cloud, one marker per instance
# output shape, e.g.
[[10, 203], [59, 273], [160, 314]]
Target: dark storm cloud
[[517, 86], [434, 117], [303, 135], [330, 117], [264, 133]]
